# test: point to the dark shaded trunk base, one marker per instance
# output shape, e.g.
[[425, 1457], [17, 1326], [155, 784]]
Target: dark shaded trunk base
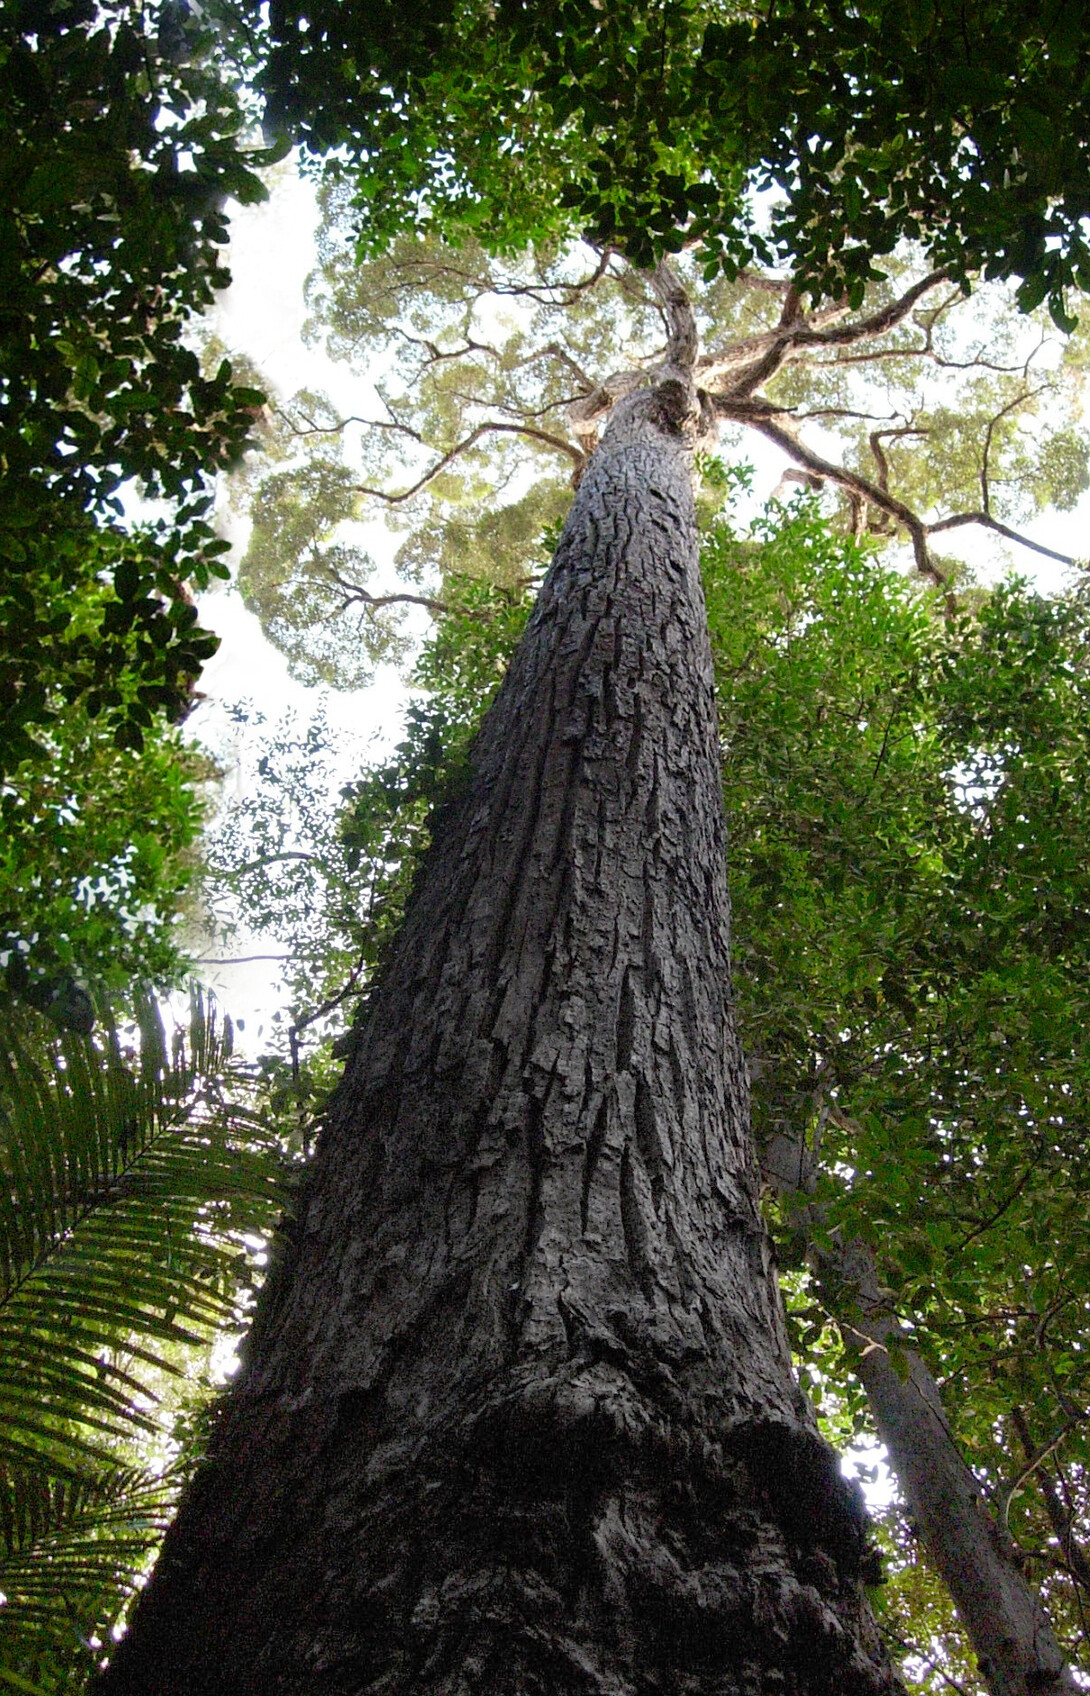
[[577, 1556], [572, 1538]]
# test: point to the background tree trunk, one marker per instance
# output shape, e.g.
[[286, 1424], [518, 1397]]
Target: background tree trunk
[[518, 1413], [1003, 1615]]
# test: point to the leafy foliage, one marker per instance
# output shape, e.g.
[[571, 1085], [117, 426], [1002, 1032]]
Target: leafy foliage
[[120, 144], [492, 378], [136, 1175], [653, 125], [98, 860]]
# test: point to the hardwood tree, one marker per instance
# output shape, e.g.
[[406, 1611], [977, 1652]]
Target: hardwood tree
[[518, 1413], [908, 852], [530, 1283]]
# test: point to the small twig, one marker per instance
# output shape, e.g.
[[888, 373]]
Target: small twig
[[491, 428], [1039, 1455], [1062, 1522], [298, 1026], [986, 1225], [268, 860], [1019, 400], [238, 959], [908, 1648], [354, 592]]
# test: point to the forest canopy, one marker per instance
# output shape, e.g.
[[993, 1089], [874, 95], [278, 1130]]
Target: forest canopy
[[819, 189]]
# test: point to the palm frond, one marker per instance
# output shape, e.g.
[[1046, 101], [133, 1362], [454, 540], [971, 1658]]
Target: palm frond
[[135, 1179]]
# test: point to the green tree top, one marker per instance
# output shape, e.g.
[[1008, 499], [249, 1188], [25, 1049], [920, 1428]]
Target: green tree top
[[652, 125], [121, 140]]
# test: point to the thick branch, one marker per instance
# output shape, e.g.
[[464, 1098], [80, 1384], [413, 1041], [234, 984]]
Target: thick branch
[[781, 286], [760, 357], [761, 417], [677, 312], [850, 480], [877, 324], [876, 438]]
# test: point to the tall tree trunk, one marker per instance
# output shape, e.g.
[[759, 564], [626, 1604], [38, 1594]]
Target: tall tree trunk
[[1003, 1615], [518, 1415]]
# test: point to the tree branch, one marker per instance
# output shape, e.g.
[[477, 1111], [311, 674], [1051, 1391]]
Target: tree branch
[[924, 1660], [760, 419], [356, 592], [876, 438], [677, 313], [886, 318], [238, 959], [762, 416], [269, 860], [781, 286], [794, 335], [960, 519], [1061, 1522], [556, 351], [1036, 1459], [492, 428]]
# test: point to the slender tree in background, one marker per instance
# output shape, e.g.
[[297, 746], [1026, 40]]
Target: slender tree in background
[[518, 1413]]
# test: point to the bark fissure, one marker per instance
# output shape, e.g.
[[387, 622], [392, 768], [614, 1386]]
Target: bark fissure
[[522, 1417]]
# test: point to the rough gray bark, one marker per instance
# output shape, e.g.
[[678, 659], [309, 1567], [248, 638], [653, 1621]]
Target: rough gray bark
[[518, 1414], [1003, 1615]]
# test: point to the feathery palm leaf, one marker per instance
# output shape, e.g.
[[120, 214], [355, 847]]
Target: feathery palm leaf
[[132, 1177]]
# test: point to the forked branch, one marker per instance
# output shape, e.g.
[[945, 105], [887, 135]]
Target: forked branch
[[857, 486]]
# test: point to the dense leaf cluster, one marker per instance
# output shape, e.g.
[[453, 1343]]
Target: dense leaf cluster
[[99, 859], [912, 940], [119, 147], [653, 124]]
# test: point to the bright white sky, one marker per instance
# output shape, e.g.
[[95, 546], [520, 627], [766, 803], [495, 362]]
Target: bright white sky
[[261, 315]]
